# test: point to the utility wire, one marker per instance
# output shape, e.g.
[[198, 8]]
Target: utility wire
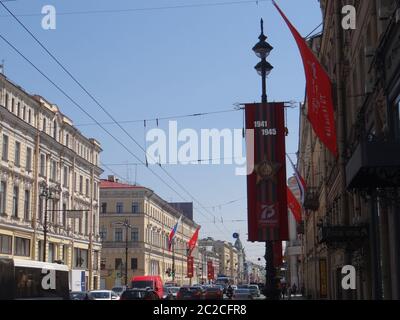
[[129, 10], [90, 116], [200, 114], [99, 105]]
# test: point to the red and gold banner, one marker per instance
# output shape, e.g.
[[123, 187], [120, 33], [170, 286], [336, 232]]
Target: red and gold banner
[[320, 110], [266, 183], [294, 205], [190, 267]]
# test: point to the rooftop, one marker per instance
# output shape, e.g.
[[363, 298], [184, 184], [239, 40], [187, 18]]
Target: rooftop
[[113, 183]]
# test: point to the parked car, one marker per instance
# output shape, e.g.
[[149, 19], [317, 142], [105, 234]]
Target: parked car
[[139, 294], [103, 295], [170, 293], [153, 282], [255, 291], [119, 289], [242, 294], [214, 293], [190, 293], [79, 295]]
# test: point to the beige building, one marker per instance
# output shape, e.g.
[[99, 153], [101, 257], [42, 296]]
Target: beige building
[[42, 150], [150, 221]]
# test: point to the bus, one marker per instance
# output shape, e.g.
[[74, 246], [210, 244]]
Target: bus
[[33, 280]]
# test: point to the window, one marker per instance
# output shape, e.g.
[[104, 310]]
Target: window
[[5, 244], [53, 170], [118, 235], [95, 260], [86, 215], [134, 263], [103, 234], [44, 125], [3, 193], [81, 258], [94, 224], [4, 155], [65, 176], [55, 129], [67, 140], [104, 207], [18, 109], [26, 205], [135, 207], [28, 164], [12, 105], [65, 254], [80, 184], [15, 202], [75, 181], [24, 112], [43, 165], [51, 253], [95, 191], [22, 247], [64, 214], [118, 263], [7, 101], [135, 234], [87, 187], [120, 207], [17, 154], [29, 116]]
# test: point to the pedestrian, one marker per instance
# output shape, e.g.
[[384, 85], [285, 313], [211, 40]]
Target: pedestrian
[[284, 290], [294, 289]]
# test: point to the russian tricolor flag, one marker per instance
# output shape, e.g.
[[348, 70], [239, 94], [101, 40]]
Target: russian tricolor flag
[[172, 233], [300, 181]]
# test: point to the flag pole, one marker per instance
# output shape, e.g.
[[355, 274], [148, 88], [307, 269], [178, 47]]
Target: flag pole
[[173, 259]]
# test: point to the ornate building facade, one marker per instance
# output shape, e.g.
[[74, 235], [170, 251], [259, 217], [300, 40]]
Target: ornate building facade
[[352, 217], [49, 185]]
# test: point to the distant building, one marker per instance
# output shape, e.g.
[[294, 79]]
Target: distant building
[[151, 220], [186, 208]]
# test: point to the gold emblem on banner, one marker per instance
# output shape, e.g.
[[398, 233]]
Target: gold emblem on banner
[[266, 170]]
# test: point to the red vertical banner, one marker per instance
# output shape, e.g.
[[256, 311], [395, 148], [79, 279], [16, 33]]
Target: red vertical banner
[[210, 270], [320, 110], [278, 257], [266, 183], [294, 205], [190, 267]]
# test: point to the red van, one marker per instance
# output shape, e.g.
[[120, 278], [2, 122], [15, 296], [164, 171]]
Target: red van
[[152, 282]]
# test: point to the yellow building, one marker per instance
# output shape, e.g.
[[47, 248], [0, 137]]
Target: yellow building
[[136, 218], [42, 151]]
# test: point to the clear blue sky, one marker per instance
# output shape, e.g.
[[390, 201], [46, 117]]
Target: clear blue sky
[[155, 63]]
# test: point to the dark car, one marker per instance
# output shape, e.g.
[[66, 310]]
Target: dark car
[[139, 294], [213, 293], [79, 295], [190, 293]]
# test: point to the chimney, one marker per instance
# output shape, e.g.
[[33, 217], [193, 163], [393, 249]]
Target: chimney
[[111, 178]]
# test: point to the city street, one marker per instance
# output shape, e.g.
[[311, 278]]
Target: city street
[[195, 150]]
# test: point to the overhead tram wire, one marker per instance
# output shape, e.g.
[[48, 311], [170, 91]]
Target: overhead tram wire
[[130, 10], [200, 114], [91, 117], [100, 106]]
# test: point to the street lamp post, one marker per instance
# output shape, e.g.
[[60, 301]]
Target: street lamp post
[[127, 226], [262, 50], [48, 194]]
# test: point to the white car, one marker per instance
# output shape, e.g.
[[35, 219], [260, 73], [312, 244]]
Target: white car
[[103, 295]]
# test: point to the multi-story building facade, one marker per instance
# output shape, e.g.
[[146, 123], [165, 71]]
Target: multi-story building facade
[[353, 214], [293, 249], [41, 151], [150, 221]]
